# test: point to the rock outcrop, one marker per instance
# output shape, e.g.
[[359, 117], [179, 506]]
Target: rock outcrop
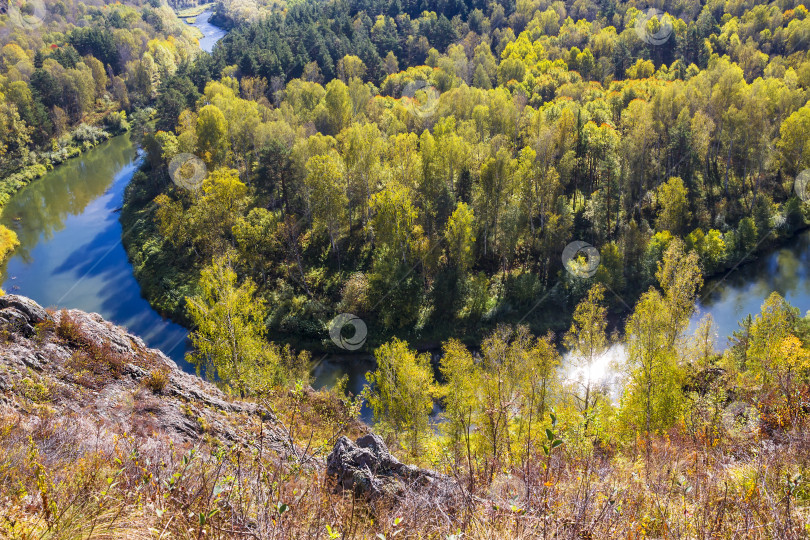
[[367, 467], [74, 374], [77, 370]]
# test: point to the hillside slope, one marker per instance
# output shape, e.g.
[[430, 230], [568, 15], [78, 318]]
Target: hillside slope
[[101, 437]]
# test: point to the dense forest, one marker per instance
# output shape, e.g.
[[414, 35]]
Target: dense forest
[[70, 72], [424, 166], [518, 202]]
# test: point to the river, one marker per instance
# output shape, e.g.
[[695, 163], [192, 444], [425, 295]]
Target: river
[[71, 256], [70, 252], [211, 33]]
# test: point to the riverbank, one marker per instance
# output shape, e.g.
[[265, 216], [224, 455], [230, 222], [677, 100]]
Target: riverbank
[[70, 252], [82, 139]]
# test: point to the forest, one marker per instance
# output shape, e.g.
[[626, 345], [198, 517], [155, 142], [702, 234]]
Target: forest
[[69, 76], [424, 170], [516, 204]]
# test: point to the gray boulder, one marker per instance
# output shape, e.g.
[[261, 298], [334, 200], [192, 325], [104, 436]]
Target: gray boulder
[[33, 312], [367, 467]]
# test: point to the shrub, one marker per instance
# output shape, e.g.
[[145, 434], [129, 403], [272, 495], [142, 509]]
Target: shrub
[[116, 122], [8, 241], [90, 134], [157, 380], [34, 390], [69, 330], [92, 364]]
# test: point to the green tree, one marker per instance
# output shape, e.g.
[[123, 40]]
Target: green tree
[[654, 338], [460, 237], [350, 67], [326, 193], [393, 221], [461, 400], [539, 378], [794, 145], [401, 390], [229, 332], [680, 278], [337, 111], [588, 342], [673, 198], [212, 130], [652, 396], [771, 326]]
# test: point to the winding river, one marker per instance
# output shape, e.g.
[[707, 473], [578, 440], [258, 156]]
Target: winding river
[[71, 256], [70, 252], [211, 33]]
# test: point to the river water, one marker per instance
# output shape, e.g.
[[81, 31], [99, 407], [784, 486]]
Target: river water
[[71, 254], [211, 34], [729, 298]]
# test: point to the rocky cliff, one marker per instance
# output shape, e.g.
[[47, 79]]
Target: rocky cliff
[[76, 389], [90, 376]]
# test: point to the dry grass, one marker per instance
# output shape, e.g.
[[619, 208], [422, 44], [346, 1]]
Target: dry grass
[[60, 484], [75, 476]]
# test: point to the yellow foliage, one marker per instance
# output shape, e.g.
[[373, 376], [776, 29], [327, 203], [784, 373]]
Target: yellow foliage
[[792, 354], [8, 241]]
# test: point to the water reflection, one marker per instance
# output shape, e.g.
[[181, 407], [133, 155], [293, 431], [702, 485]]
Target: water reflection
[[742, 292], [65, 191], [71, 253], [605, 374]]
